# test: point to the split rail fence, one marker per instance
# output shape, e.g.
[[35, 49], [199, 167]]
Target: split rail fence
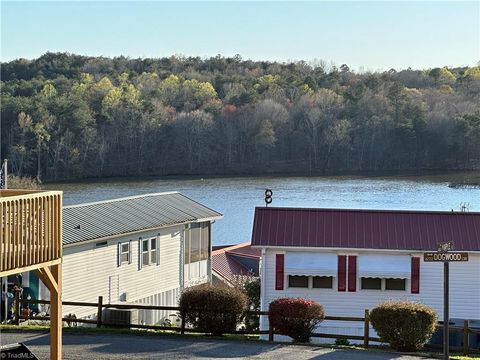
[[100, 306]]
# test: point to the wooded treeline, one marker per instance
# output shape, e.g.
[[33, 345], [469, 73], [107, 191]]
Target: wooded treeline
[[67, 116]]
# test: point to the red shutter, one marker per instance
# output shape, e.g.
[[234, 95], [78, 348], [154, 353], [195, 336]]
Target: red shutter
[[352, 273], [342, 273], [279, 272], [415, 275]]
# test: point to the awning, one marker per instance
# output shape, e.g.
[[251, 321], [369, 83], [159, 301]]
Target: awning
[[307, 263], [384, 266]]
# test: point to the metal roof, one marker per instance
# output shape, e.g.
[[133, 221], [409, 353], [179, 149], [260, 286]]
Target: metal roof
[[131, 214], [365, 229], [225, 261]]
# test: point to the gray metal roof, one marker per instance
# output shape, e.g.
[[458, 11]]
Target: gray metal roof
[[131, 214]]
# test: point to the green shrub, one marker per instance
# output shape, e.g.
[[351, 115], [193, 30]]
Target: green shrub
[[295, 317], [252, 290], [342, 342], [214, 310], [406, 325]]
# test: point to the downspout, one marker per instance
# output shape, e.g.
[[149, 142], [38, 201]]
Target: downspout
[[209, 260], [182, 259]]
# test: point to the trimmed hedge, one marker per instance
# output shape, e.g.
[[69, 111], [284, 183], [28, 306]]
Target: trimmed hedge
[[406, 325], [214, 310], [295, 317]]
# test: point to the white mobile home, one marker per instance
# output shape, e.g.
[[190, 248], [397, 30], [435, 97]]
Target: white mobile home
[[351, 260], [142, 249]]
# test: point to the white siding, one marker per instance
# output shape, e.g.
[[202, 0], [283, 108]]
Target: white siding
[[166, 298], [89, 272], [464, 293], [196, 273]]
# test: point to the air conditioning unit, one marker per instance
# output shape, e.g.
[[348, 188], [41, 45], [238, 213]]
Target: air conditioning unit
[[121, 316]]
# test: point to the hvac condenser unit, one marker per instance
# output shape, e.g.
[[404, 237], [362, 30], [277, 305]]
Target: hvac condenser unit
[[121, 316]]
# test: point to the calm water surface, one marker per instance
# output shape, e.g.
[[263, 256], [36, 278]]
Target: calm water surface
[[236, 198]]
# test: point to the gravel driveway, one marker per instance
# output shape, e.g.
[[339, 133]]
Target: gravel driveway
[[106, 346]]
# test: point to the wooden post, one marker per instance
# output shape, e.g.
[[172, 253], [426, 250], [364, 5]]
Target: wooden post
[[17, 308], [99, 311], [366, 329], [466, 336], [270, 331], [56, 313], [182, 329]]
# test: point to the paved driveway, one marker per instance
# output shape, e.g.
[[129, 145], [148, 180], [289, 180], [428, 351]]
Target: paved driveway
[[106, 346]]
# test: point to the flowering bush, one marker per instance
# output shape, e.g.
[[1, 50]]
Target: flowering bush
[[406, 325], [215, 310], [295, 317]]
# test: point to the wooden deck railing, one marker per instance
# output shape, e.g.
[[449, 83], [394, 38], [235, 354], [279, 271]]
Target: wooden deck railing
[[30, 230]]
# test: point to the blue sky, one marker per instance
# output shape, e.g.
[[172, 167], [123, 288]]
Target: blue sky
[[372, 35]]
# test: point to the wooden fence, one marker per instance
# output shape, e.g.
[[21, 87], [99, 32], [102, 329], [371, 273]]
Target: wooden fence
[[366, 338]]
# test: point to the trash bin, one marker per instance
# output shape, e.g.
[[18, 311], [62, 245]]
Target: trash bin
[[474, 338], [455, 338]]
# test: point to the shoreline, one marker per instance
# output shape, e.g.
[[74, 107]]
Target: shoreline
[[351, 175]]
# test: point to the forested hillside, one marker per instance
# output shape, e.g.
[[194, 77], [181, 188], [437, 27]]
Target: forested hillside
[[67, 116]]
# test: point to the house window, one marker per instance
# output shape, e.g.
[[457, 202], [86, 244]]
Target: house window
[[295, 281], [322, 282], [153, 251], [149, 251], [395, 284], [187, 246], [371, 283], [197, 243], [205, 246], [195, 239], [125, 253]]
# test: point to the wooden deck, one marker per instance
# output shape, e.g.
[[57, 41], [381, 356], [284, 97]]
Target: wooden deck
[[31, 239], [30, 230]]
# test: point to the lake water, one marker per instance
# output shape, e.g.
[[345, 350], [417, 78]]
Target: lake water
[[236, 198]]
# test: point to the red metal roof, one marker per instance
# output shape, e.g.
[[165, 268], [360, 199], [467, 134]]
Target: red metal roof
[[224, 264], [365, 229]]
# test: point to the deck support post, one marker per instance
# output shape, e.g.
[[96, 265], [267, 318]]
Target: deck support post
[[52, 278]]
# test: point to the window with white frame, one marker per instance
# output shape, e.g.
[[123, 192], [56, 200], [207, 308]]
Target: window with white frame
[[149, 251], [380, 272], [125, 252], [383, 284], [371, 283], [322, 282], [296, 281], [153, 251], [310, 282], [395, 284]]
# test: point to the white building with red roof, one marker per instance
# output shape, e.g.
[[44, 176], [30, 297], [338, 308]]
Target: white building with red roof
[[351, 260]]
